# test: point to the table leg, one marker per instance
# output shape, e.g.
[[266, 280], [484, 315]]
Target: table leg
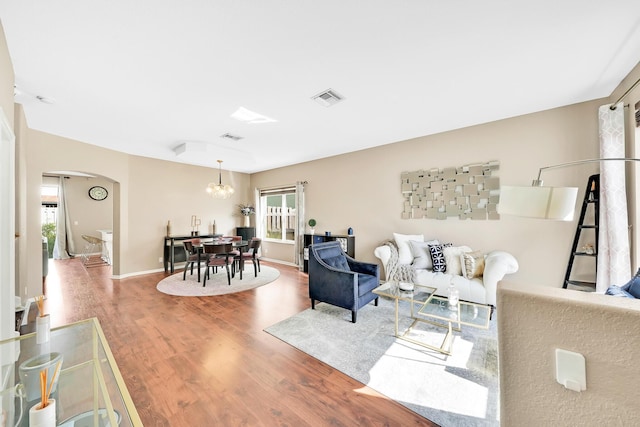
[[198, 266], [171, 257], [397, 308]]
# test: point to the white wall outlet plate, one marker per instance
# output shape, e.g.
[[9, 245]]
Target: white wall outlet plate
[[571, 370]]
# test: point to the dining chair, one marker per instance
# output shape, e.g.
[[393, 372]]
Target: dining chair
[[251, 254], [234, 252], [191, 254], [218, 255], [93, 245]]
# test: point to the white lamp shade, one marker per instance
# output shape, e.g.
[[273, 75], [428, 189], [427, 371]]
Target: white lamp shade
[[555, 203]]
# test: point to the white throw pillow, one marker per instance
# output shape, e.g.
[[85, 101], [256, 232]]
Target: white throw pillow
[[421, 254], [402, 242], [452, 258]]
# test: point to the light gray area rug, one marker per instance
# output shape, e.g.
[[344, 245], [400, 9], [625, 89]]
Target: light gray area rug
[[217, 283], [457, 390]]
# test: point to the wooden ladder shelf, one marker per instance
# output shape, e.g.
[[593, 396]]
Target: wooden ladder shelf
[[591, 198]]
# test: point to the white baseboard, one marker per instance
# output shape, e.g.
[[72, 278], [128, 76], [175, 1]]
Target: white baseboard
[[278, 261]]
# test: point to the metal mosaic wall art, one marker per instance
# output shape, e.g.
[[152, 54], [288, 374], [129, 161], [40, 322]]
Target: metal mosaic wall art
[[467, 192]]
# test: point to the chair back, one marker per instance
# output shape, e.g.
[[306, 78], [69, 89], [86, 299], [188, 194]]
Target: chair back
[[218, 248], [188, 246], [254, 245], [329, 253]]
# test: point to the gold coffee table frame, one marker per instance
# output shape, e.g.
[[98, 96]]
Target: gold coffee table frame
[[465, 313], [434, 310], [420, 295]]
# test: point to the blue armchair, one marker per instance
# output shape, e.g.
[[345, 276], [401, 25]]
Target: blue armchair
[[338, 279]]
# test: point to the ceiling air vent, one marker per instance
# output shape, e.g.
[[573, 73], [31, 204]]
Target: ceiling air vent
[[327, 98], [231, 137]]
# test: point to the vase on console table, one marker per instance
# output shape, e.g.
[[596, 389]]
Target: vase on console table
[[247, 221]]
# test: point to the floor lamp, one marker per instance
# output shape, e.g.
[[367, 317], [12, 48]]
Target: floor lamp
[[538, 201]]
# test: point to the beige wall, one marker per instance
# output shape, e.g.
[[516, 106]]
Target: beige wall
[[362, 189], [534, 321]]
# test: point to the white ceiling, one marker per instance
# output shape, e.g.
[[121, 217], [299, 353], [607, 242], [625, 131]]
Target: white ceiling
[[144, 76]]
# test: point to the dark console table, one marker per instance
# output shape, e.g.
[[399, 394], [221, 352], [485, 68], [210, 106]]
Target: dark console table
[[175, 253]]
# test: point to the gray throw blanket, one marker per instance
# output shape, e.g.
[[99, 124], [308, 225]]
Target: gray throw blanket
[[396, 271]]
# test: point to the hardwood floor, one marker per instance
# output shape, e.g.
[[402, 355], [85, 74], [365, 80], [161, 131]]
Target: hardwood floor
[[205, 361]]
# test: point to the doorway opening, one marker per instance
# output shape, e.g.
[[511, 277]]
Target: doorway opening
[[49, 215]]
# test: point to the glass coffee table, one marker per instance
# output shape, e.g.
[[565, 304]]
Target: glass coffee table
[[437, 310], [432, 310], [411, 293]]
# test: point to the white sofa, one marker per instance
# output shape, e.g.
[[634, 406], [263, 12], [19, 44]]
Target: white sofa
[[481, 290]]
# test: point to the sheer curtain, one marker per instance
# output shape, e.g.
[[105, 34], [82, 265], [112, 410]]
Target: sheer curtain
[[260, 214], [614, 264], [299, 249], [63, 245]]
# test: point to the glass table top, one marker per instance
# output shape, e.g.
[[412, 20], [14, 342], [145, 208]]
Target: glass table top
[[402, 291], [89, 389], [466, 313]]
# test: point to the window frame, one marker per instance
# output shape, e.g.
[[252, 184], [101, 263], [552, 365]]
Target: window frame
[[283, 193]]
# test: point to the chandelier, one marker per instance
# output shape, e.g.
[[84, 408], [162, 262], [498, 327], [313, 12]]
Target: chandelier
[[219, 191]]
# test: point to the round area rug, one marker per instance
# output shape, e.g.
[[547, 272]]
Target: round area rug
[[217, 283]]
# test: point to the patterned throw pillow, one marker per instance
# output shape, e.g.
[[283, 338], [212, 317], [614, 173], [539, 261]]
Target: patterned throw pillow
[[472, 264], [437, 257]]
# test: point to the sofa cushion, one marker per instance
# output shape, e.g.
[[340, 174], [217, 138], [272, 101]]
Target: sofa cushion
[[437, 257], [421, 254], [339, 262], [366, 283], [452, 258], [617, 291], [472, 264], [402, 242]]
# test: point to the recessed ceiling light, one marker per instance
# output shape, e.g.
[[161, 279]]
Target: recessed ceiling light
[[249, 116], [328, 97]]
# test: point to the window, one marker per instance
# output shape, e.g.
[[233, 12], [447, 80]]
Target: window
[[48, 212], [279, 214]]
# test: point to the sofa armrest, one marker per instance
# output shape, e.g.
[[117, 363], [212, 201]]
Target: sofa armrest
[[497, 264], [383, 253]]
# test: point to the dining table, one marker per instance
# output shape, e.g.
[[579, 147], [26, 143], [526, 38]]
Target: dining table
[[235, 244]]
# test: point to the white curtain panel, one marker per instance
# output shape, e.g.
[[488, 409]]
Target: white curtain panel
[[63, 245], [299, 249], [614, 265]]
